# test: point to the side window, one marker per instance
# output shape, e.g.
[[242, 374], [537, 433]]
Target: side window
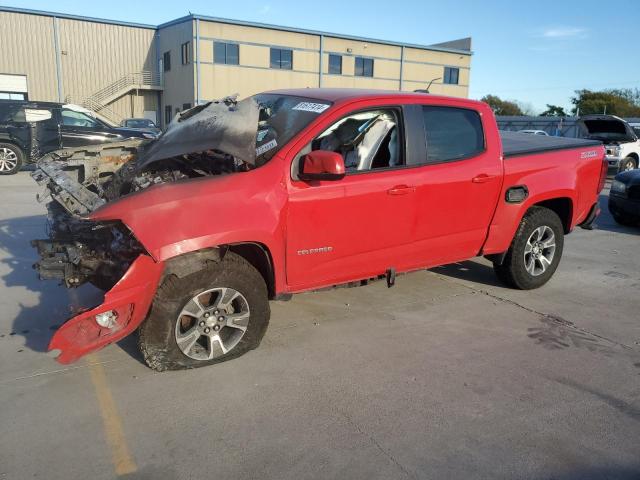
[[366, 140], [363, 67], [166, 61], [185, 53], [77, 119], [281, 58], [451, 75], [228, 53], [335, 64], [452, 133]]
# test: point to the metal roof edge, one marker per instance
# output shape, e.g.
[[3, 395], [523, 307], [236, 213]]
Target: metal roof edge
[[43, 13], [232, 22], [323, 33]]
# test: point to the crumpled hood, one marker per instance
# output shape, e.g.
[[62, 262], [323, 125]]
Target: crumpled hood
[[225, 125]]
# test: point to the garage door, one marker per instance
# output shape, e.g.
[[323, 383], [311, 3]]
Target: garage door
[[13, 87]]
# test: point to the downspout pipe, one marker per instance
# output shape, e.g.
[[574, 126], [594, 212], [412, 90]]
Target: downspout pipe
[[321, 63], [401, 66], [197, 55], [56, 44]]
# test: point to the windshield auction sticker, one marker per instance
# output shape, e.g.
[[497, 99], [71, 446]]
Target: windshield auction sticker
[[266, 147], [311, 107]]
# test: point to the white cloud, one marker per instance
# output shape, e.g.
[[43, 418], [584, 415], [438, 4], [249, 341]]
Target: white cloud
[[265, 9], [564, 32]]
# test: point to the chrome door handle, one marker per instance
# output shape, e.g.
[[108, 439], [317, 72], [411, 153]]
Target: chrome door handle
[[401, 190], [483, 178]]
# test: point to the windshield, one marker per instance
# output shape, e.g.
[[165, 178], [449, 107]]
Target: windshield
[[139, 123], [281, 118]]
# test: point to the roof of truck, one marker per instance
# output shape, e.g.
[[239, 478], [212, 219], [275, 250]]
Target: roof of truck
[[345, 94]]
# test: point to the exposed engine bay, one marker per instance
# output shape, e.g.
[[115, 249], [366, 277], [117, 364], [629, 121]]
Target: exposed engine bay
[[80, 180]]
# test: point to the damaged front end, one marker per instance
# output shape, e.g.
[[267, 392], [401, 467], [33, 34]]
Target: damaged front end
[[106, 253]]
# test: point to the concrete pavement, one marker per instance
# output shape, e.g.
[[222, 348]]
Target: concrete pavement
[[447, 375]]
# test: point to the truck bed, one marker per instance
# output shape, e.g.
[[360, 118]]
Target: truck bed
[[516, 143]]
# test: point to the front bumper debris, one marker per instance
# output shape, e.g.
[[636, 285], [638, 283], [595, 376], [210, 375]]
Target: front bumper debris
[[129, 301]]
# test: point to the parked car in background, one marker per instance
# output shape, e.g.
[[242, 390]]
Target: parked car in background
[[620, 139], [624, 198], [143, 124], [534, 132], [305, 189], [29, 130]]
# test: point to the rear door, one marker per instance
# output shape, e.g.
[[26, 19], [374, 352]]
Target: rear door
[[361, 225], [458, 185]]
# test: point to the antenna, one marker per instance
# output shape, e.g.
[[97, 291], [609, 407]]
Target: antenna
[[429, 86]]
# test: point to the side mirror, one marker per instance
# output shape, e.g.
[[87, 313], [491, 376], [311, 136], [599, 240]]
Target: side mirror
[[322, 165]]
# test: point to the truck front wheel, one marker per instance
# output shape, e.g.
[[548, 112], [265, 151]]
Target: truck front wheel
[[628, 163], [207, 317], [535, 251]]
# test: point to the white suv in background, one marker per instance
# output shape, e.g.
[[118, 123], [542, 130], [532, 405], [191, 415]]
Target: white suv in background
[[619, 137]]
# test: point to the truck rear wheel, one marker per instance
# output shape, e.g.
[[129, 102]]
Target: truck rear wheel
[[11, 158], [535, 251], [210, 316]]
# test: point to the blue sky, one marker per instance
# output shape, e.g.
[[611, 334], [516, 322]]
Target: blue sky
[[536, 52]]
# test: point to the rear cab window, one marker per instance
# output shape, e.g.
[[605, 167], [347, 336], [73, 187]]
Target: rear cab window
[[452, 133]]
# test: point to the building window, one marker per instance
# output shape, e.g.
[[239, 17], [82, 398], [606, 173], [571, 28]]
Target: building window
[[364, 67], [228, 53], [282, 58], [186, 106], [335, 64], [185, 53], [451, 75], [166, 61], [167, 114]]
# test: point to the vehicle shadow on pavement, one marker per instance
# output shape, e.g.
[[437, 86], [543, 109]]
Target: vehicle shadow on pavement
[[471, 271], [596, 473], [42, 306], [606, 222]]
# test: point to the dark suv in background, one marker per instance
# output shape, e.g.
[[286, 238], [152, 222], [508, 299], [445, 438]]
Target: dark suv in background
[[29, 130]]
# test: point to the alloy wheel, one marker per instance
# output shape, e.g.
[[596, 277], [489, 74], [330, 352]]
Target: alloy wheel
[[539, 250], [8, 159], [212, 323]]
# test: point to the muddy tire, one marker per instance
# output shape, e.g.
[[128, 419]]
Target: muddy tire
[[535, 251], [628, 163], [11, 159], [216, 314]]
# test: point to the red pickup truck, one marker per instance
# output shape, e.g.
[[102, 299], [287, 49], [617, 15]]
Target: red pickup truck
[[287, 191]]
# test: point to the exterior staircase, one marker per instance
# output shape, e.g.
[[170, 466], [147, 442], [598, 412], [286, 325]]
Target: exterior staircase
[[100, 100]]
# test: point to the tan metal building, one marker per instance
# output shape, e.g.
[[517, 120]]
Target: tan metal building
[[122, 69]]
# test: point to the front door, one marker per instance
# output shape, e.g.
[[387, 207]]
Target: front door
[[359, 226], [78, 129]]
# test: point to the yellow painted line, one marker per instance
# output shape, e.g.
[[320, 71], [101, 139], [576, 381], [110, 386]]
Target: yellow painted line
[[121, 457]]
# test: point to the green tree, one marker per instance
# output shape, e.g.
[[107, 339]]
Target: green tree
[[553, 111], [502, 107], [621, 102]]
